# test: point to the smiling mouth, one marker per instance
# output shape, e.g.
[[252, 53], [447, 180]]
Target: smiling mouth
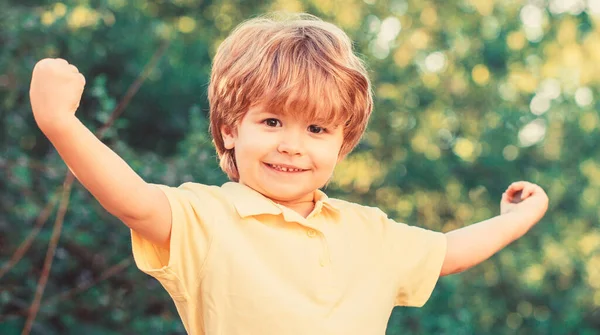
[[284, 168]]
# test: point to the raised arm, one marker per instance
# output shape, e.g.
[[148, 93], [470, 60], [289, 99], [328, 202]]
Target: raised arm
[[474, 244], [55, 92]]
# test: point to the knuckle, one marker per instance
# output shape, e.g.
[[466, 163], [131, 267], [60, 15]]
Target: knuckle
[[41, 64]]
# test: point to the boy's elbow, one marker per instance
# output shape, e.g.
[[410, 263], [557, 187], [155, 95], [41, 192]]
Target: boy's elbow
[[454, 262], [449, 267]]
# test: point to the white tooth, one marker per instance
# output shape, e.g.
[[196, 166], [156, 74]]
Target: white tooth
[[284, 169]]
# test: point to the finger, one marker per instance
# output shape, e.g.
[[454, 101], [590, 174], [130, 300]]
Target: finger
[[60, 60], [530, 190], [82, 78], [507, 197], [525, 192], [40, 63], [516, 186], [73, 68], [517, 197], [504, 198]]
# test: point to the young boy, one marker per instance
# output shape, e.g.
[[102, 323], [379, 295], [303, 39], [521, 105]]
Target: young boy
[[269, 253]]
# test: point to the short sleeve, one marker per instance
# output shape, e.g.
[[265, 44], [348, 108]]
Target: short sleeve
[[178, 267], [417, 256]]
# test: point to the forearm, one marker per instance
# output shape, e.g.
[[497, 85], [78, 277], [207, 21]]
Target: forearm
[[101, 171], [474, 244]]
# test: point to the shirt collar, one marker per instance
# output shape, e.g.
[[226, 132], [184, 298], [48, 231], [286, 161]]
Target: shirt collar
[[249, 202]]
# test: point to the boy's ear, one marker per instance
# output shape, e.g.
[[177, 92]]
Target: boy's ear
[[229, 136]]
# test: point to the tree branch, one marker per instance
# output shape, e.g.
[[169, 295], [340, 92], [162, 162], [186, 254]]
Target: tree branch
[[24, 246], [68, 294], [41, 286], [131, 91]]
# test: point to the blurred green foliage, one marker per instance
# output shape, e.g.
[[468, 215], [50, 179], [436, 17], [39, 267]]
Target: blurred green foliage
[[470, 96]]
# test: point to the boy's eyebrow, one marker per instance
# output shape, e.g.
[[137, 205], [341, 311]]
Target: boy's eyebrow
[[263, 112], [256, 110]]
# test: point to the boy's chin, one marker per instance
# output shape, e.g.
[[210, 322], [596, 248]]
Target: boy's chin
[[282, 193]]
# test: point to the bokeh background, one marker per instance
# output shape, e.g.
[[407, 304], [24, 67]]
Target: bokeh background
[[470, 95]]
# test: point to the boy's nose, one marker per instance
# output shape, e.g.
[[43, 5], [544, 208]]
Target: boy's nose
[[291, 144]]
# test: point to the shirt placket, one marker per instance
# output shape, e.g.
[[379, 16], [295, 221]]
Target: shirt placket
[[322, 266]]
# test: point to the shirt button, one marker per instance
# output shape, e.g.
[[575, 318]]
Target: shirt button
[[311, 233]]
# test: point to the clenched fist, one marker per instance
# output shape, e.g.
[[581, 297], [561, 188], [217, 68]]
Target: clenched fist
[[527, 198], [55, 92]]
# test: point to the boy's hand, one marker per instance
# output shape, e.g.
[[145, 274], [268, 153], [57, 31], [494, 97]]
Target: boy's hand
[[526, 202], [55, 92], [525, 197]]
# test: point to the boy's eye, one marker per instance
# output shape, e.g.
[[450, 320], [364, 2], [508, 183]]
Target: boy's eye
[[316, 129], [272, 122]]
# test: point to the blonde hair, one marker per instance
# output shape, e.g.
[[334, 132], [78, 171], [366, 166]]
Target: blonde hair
[[293, 63]]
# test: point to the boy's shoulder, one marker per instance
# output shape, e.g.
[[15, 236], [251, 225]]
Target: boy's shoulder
[[198, 194], [198, 187], [353, 208], [194, 189]]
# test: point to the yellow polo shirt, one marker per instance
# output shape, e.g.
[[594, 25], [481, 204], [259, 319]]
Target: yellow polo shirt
[[239, 263]]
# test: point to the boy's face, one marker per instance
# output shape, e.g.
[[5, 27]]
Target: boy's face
[[283, 157]]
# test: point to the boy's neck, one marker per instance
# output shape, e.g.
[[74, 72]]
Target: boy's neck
[[303, 208]]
